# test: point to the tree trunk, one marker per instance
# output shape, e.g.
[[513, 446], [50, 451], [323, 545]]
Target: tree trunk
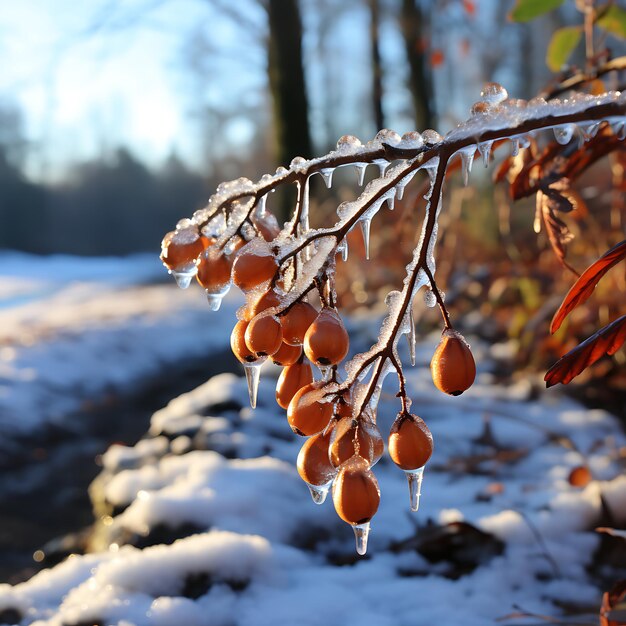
[[287, 84], [377, 71], [420, 79]]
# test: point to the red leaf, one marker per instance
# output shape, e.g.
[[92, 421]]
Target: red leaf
[[584, 286], [607, 340], [558, 232]]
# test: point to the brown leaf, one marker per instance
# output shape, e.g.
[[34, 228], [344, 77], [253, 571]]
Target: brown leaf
[[586, 283], [559, 234], [606, 341], [610, 601]]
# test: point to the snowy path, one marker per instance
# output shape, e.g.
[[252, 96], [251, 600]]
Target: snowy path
[[205, 520]]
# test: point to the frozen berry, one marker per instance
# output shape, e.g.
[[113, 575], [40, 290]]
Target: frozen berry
[[356, 436], [238, 343], [180, 248], [452, 366], [291, 380], [286, 354], [213, 269], [264, 336], [296, 322], [410, 442], [326, 341], [308, 412], [356, 495], [313, 464], [253, 267]]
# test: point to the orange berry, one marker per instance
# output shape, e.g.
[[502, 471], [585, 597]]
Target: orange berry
[[286, 354], [252, 267], [355, 436], [267, 225], [297, 321], [410, 442], [238, 343], [452, 366], [213, 269], [356, 495], [326, 341], [267, 300], [264, 335], [291, 380], [313, 464], [307, 413], [180, 248]]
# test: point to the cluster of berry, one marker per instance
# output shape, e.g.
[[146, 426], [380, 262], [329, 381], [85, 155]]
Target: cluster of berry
[[344, 441]]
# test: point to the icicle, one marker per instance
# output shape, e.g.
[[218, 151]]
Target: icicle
[[325, 371], [361, 534], [260, 206], [411, 336], [253, 376], [391, 202], [589, 131], [467, 158], [485, 151], [563, 134], [430, 300], [619, 128], [342, 248], [327, 175], [214, 300], [365, 224], [360, 171], [514, 147], [382, 167], [414, 478], [319, 492], [183, 279]]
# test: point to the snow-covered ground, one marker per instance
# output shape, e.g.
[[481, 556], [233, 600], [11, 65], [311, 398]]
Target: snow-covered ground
[[205, 520]]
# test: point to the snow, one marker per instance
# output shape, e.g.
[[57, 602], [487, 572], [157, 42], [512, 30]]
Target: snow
[[244, 543]]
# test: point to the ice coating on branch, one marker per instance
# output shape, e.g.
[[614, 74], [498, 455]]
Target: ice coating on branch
[[411, 337], [412, 140], [429, 298], [431, 137], [386, 136]]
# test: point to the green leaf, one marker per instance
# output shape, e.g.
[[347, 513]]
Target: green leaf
[[562, 44], [614, 21], [525, 10]]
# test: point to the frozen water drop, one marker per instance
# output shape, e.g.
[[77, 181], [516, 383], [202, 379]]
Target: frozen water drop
[[387, 136], [411, 336], [183, 279], [325, 371], [365, 229], [494, 93], [618, 127], [514, 147], [215, 298], [563, 134], [253, 376], [467, 159], [480, 108], [298, 164], [412, 139], [382, 167], [484, 148], [430, 300], [360, 172], [281, 171], [319, 492], [431, 137], [342, 249], [361, 535], [414, 478], [348, 143], [260, 206], [391, 202], [589, 131], [327, 175]]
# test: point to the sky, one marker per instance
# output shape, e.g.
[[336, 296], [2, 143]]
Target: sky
[[87, 75]]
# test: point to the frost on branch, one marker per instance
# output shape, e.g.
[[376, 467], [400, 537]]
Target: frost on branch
[[288, 276]]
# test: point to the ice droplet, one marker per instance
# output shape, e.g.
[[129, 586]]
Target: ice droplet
[[361, 534], [391, 202], [494, 93], [360, 172], [411, 336], [365, 229], [382, 167], [183, 279], [412, 139], [467, 159], [589, 131], [348, 143], [388, 136], [430, 137], [414, 478], [514, 147], [484, 148], [430, 299], [319, 492], [342, 249], [253, 376], [327, 175], [325, 371], [260, 206], [619, 128], [563, 134]]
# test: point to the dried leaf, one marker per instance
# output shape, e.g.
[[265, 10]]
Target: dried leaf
[[559, 234], [610, 601], [586, 283], [606, 341]]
